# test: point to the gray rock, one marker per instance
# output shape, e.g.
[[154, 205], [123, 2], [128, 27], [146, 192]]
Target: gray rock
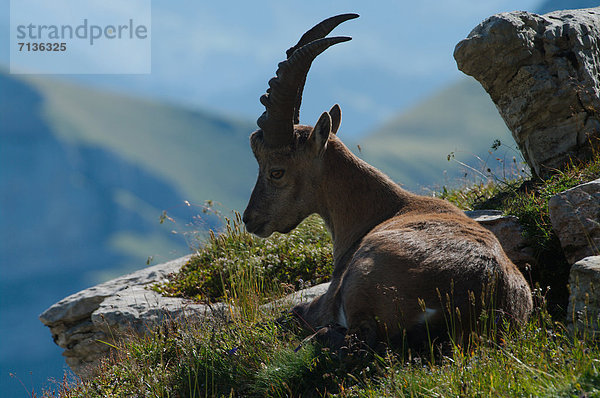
[[298, 297], [86, 323], [575, 217], [80, 305], [510, 234], [139, 309], [543, 74], [584, 301]]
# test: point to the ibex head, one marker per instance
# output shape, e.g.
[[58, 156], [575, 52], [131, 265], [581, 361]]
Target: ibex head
[[289, 154]]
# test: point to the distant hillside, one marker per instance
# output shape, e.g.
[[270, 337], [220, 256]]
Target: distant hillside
[[84, 177], [191, 149], [413, 147], [88, 162]]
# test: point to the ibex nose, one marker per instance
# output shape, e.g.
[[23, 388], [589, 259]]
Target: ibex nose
[[245, 217], [252, 221]]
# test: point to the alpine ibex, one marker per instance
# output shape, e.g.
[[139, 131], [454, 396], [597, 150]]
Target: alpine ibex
[[396, 254]]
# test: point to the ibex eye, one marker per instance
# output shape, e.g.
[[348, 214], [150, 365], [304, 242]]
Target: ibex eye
[[276, 174]]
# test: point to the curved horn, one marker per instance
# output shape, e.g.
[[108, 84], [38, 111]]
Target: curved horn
[[283, 97], [318, 31]]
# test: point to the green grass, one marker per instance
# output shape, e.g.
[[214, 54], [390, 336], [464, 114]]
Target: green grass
[[540, 359], [235, 261], [232, 357], [244, 353]]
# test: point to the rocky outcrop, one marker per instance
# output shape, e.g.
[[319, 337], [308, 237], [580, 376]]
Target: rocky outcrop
[[575, 217], [543, 74], [584, 302], [86, 323], [298, 297]]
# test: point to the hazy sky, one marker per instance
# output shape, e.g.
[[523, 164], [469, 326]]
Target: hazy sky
[[220, 55]]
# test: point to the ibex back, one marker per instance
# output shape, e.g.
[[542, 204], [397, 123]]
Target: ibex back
[[397, 255]]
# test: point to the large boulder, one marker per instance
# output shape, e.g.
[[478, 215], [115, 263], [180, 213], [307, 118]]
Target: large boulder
[[584, 301], [543, 74], [575, 217]]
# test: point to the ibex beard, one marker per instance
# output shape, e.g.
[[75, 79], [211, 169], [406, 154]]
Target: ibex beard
[[403, 263]]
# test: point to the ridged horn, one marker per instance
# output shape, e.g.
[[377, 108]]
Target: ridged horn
[[284, 95], [318, 31]]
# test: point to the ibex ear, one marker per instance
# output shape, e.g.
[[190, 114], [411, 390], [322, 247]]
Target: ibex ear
[[336, 118], [320, 134]]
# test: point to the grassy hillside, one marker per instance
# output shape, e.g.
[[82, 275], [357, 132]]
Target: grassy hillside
[[413, 148], [248, 354], [203, 155]]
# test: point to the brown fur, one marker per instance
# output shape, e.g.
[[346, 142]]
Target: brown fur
[[391, 248]]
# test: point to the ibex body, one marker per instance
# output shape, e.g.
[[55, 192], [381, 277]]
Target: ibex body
[[395, 253]]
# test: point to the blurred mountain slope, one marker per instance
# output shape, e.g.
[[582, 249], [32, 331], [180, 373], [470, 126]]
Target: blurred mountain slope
[[413, 148]]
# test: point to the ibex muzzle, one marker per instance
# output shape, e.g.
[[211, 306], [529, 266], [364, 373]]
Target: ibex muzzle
[[397, 255]]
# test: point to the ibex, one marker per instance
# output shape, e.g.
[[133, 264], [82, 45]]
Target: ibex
[[396, 254]]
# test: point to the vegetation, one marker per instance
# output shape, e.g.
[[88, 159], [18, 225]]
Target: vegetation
[[234, 261], [251, 356], [245, 353]]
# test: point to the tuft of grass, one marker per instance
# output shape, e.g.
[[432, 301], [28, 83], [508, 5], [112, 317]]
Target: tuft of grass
[[540, 359], [472, 196], [185, 358], [235, 261], [530, 203]]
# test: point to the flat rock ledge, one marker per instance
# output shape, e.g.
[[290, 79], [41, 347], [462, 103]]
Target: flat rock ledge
[[584, 301], [87, 322], [543, 74], [84, 323]]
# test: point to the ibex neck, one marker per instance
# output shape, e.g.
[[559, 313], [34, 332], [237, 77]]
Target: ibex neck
[[355, 198]]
